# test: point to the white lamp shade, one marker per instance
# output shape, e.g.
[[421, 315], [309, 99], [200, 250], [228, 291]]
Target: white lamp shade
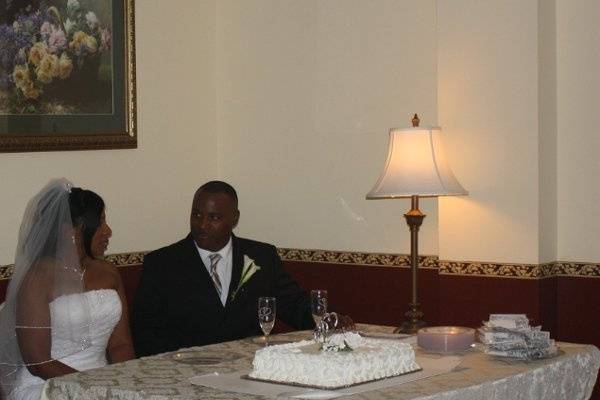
[[416, 165]]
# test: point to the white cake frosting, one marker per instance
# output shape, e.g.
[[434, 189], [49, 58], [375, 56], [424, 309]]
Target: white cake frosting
[[306, 364]]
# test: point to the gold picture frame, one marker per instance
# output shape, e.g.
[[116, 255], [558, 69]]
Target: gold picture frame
[[41, 131]]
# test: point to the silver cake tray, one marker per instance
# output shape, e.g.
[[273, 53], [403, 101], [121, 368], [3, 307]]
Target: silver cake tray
[[248, 377]]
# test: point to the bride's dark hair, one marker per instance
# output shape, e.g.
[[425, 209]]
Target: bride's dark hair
[[86, 211]]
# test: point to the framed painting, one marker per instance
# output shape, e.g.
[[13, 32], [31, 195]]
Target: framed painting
[[67, 75]]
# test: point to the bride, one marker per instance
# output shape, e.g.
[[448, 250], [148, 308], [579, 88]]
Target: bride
[[65, 307]]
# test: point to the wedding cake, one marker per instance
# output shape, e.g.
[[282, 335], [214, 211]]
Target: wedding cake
[[345, 360]]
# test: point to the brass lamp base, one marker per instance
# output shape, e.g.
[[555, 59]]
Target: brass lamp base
[[414, 219], [414, 321]]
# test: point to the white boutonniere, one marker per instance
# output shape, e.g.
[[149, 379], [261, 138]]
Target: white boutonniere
[[249, 269]]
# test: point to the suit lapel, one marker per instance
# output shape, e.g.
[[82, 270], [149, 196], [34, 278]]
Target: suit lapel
[[237, 263], [192, 257]]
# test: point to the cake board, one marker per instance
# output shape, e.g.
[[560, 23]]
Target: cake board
[[248, 377]]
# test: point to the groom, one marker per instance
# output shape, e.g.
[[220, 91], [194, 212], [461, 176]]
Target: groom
[[204, 289]]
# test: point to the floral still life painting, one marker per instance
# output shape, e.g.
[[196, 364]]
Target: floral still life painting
[[67, 75], [55, 58]]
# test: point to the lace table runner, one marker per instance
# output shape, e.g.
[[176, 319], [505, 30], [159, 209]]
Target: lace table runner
[[167, 376]]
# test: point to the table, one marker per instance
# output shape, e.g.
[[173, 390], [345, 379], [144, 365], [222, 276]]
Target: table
[[571, 375]]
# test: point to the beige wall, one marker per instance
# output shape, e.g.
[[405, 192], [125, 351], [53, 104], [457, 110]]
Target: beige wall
[[148, 190], [578, 71], [292, 101], [519, 95], [307, 91], [548, 226], [488, 91]]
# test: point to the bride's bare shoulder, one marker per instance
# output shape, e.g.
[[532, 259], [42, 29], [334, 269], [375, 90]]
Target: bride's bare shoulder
[[103, 270], [103, 266]]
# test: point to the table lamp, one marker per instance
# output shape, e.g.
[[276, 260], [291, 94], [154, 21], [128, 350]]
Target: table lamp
[[416, 167]]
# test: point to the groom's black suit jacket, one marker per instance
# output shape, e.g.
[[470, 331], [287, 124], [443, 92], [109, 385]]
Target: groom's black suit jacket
[[176, 304]]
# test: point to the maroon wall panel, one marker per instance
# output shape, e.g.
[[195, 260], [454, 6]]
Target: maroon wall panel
[[578, 310], [469, 300], [130, 276], [376, 295], [547, 301], [567, 307], [3, 287], [380, 295]]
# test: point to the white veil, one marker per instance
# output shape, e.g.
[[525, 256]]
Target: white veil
[[47, 266]]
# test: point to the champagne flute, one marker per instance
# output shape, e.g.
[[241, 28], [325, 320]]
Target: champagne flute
[[266, 315], [318, 305]]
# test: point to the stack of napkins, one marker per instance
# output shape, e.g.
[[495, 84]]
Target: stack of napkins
[[509, 335]]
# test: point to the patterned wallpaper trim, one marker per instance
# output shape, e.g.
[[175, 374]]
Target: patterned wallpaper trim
[[458, 268], [462, 268]]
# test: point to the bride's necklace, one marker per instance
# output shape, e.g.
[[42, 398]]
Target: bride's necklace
[[84, 266]]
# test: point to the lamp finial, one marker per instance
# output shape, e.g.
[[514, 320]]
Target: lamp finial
[[415, 121]]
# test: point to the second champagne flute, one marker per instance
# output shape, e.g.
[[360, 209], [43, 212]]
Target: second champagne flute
[[267, 310], [318, 304]]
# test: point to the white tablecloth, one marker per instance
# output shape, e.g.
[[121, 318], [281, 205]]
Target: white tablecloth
[[571, 375]]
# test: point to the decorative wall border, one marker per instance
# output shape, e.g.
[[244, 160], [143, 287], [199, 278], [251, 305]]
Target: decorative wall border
[[497, 270], [587, 270], [457, 268], [5, 271], [127, 259], [354, 258], [119, 259]]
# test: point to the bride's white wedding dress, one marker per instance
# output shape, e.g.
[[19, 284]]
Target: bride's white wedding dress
[[105, 308]]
